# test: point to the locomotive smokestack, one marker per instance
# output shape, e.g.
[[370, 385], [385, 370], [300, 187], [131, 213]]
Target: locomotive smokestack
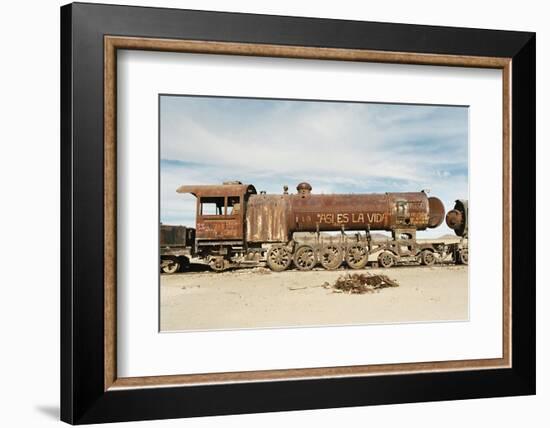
[[304, 188]]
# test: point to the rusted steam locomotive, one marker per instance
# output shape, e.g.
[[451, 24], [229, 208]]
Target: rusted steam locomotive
[[236, 226]]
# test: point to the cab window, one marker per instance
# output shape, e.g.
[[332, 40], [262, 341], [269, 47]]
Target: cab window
[[233, 205], [211, 206]]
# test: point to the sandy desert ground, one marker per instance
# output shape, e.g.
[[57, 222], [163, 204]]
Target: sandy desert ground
[[259, 298]]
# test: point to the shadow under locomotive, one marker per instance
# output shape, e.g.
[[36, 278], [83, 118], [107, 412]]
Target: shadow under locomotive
[[237, 227]]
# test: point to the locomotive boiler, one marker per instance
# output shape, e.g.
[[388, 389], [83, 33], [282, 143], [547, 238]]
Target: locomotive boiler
[[237, 226], [273, 218]]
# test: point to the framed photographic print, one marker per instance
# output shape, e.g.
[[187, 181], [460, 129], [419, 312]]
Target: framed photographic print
[[265, 213]]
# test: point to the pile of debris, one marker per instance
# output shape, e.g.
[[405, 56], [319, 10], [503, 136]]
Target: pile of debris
[[360, 283]]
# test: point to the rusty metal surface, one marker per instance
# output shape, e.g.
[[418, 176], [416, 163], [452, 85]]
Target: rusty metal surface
[[273, 218], [175, 235], [436, 212], [387, 211], [219, 227], [267, 218], [332, 212], [304, 188], [217, 190], [224, 225], [454, 219], [457, 218]]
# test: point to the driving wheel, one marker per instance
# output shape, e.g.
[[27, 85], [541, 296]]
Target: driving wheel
[[330, 257], [357, 257], [278, 258], [305, 258]]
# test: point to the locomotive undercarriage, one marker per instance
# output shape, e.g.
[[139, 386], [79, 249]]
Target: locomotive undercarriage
[[358, 250], [331, 252], [223, 257]]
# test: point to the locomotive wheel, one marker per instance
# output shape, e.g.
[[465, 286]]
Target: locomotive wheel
[[427, 258], [357, 257], [278, 258], [463, 256], [331, 257], [172, 266], [386, 259], [305, 257]]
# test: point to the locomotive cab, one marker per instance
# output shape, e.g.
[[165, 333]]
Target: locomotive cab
[[220, 212]]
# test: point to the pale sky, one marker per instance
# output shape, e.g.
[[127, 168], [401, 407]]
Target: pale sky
[[338, 147]]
